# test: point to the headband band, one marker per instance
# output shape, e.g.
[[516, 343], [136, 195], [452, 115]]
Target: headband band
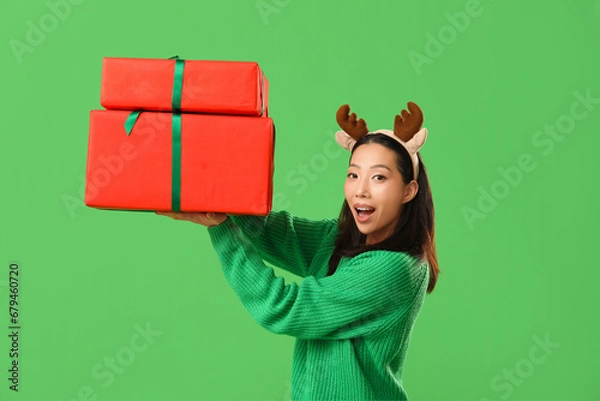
[[412, 146]]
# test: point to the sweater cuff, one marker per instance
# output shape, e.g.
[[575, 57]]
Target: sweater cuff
[[249, 223], [222, 230]]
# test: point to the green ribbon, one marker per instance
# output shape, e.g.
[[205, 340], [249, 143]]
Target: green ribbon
[[176, 169], [176, 132], [177, 83], [131, 119], [176, 123]]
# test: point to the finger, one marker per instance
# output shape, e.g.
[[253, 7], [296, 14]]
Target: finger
[[214, 217], [173, 215]]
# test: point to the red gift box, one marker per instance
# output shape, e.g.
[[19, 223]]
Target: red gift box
[[225, 163], [209, 86]]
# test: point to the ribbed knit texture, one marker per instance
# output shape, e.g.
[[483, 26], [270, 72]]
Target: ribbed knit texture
[[352, 328]]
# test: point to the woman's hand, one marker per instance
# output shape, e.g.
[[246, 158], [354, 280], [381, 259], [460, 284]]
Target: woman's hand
[[206, 219]]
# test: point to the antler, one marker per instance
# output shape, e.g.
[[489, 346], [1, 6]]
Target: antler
[[406, 124], [356, 129]]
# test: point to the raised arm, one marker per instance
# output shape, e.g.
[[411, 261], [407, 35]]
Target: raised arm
[[287, 241], [365, 296]]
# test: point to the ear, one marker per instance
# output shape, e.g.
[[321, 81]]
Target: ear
[[410, 191]]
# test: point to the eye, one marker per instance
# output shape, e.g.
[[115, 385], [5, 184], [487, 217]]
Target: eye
[[351, 175], [379, 177]]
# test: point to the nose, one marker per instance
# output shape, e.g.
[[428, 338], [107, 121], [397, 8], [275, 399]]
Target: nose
[[362, 189]]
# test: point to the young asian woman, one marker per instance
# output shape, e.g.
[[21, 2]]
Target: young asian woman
[[365, 274]]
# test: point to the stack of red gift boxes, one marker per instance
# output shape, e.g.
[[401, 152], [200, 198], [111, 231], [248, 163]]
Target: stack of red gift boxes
[[181, 135]]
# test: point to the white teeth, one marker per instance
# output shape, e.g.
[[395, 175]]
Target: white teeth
[[360, 210]]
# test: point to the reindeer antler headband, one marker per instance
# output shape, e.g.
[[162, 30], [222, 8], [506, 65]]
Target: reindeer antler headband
[[407, 131]]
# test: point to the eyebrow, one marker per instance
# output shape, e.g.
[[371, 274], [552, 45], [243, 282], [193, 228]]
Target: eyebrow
[[373, 166]]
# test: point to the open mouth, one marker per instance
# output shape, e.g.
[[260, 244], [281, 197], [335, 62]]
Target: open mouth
[[364, 213]]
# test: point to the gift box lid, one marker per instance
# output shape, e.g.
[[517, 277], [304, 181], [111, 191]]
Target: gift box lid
[[207, 86]]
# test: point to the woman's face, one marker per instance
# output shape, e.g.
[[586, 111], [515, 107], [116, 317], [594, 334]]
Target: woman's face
[[375, 191]]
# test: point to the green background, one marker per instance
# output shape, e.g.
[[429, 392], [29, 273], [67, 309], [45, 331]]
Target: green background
[[517, 270]]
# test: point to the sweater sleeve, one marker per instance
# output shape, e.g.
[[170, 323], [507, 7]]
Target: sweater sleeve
[[286, 241], [364, 296]]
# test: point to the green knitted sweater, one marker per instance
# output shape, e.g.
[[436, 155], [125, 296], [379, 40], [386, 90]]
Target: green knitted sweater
[[352, 328]]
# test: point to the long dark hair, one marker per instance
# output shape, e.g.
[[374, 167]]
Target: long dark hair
[[414, 233]]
